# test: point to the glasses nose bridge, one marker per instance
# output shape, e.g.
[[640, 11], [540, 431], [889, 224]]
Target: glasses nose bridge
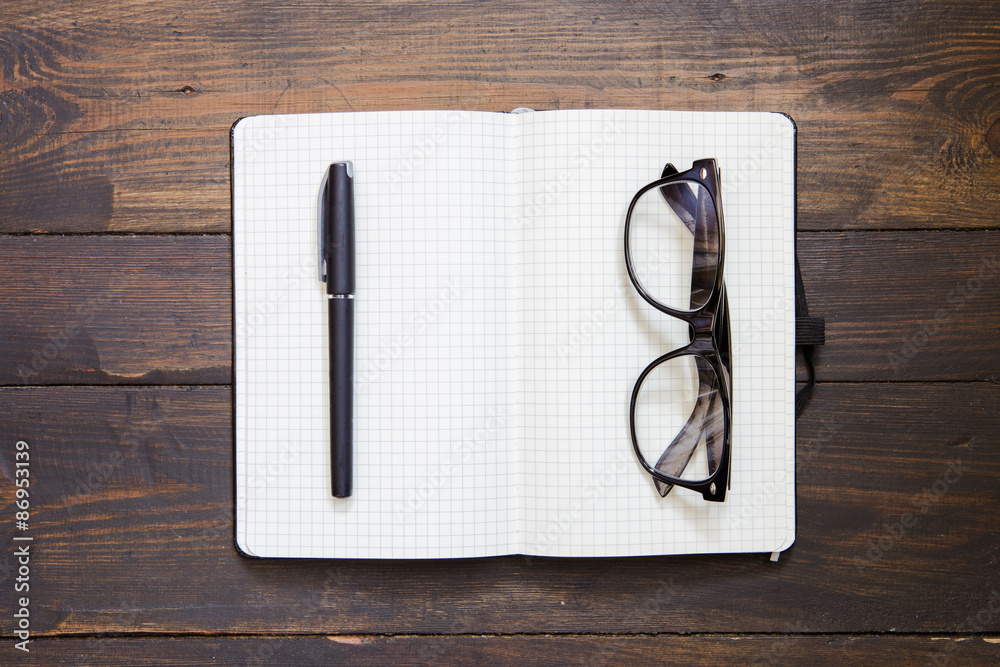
[[701, 333], [701, 325]]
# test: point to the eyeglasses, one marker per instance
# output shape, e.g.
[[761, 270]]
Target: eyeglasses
[[681, 410]]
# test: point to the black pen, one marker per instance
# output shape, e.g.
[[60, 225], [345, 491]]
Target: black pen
[[337, 270]]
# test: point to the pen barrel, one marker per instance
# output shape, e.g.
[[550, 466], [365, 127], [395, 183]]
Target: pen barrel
[[341, 313]]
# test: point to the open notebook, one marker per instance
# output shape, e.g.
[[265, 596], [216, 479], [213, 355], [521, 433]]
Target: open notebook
[[498, 337]]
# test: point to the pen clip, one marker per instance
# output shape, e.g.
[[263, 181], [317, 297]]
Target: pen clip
[[322, 226]]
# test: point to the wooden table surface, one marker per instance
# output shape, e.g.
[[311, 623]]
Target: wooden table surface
[[117, 334]]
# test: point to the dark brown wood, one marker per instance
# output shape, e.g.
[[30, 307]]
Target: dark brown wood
[[154, 309], [116, 310], [905, 305], [114, 118], [588, 651], [119, 180], [136, 483], [893, 101]]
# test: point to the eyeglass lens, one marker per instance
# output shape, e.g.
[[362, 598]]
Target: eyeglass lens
[[674, 244]]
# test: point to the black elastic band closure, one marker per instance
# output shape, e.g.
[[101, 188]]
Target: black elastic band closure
[[810, 331]]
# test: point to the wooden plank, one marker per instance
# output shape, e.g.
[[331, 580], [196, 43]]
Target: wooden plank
[[178, 180], [115, 310], [148, 309], [897, 497], [905, 305], [120, 180], [888, 98], [121, 125], [706, 650]]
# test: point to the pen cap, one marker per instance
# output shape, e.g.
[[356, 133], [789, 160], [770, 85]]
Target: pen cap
[[339, 228]]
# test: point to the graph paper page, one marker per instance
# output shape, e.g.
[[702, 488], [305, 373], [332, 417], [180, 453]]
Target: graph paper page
[[587, 334], [497, 335], [434, 358]]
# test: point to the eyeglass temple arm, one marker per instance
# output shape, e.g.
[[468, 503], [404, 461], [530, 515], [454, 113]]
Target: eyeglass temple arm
[[678, 454], [680, 198]]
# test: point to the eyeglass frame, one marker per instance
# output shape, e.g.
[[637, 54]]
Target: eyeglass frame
[[702, 323]]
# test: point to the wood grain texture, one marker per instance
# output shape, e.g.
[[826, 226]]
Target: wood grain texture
[[115, 118], [893, 100], [115, 310], [137, 483], [155, 309], [905, 305], [119, 181], [588, 651]]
